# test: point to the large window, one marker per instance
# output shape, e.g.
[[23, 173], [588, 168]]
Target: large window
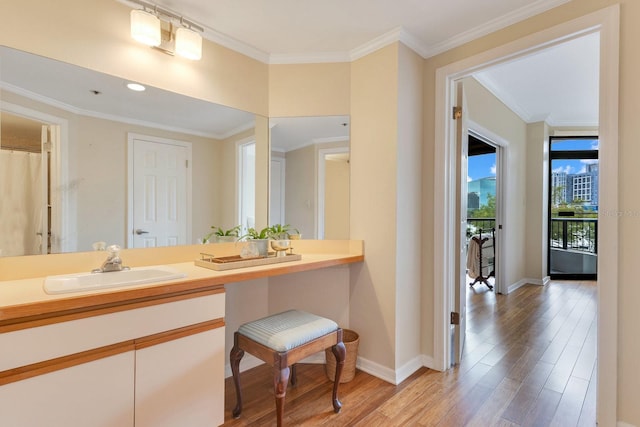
[[573, 207]]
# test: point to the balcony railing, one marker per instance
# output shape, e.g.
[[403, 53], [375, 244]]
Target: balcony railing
[[475, 224], [578, 234]]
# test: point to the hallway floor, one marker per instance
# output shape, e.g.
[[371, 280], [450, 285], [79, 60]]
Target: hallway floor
[[529, 360]]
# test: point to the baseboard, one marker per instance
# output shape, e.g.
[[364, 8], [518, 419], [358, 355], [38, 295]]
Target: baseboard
[[377, 370], [528, 281], [621, 424], [372, 368], [429, 362]]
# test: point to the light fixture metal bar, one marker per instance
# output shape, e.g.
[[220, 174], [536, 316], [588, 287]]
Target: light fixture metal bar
[[169, 14]]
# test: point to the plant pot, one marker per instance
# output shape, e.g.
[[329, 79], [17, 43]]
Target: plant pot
[[262, 245], [225, 239]]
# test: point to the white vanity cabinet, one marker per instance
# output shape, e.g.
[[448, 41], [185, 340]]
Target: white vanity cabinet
[[97, 393], [143, 363], [180, 383]]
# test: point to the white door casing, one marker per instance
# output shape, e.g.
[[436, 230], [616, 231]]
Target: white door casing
[[462, 159], [159, 192]]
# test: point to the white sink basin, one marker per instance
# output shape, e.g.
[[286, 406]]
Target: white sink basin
[[82, 282]]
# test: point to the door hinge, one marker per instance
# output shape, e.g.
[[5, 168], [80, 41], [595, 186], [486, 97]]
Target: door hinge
[[186, 164], [47, 146], [455, 318], [457, 113]]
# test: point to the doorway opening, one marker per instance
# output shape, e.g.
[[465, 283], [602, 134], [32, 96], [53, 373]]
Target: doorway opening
[[482, 203], [573, 208], [606, 23]]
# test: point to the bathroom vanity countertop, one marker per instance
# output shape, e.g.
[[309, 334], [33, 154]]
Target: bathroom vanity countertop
[[24, 300]]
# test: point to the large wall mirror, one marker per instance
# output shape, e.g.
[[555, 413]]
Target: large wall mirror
[[84, 159], [310, 175]]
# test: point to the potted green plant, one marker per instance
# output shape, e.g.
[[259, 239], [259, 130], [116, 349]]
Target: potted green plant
[[222, 235], [259, 238], [279, 231]]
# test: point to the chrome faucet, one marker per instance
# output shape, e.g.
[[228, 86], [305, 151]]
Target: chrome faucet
[[113, 261]]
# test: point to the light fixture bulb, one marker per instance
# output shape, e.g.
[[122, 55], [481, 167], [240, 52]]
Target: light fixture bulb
[[188, 44], [145, 27], [136, 87]]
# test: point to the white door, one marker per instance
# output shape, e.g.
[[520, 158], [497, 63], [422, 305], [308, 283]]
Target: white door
[[246, 157], [460, 300], [276, 192], [159, 193]]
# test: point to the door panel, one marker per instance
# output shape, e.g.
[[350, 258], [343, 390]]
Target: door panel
[[159, 194]]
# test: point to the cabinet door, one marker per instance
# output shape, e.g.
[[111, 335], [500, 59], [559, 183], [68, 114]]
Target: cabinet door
[[181, 382], [92, 394]]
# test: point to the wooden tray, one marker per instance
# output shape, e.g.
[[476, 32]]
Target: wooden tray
[[236, 261]]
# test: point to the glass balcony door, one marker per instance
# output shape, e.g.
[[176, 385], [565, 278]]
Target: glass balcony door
[[573, 213]]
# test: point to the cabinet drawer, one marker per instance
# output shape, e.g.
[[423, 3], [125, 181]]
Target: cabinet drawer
[[27, 346]]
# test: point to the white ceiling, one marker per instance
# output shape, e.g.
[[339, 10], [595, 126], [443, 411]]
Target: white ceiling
[[558, 85], [297, 31]]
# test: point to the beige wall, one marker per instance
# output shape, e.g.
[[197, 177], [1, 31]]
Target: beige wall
[[374, 162], [309, 90], [537, 201], [409, 213], [336, 204]]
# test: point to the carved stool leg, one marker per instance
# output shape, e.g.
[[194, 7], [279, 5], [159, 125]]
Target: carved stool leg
[[234, 357], [339, 351], [280, 380]]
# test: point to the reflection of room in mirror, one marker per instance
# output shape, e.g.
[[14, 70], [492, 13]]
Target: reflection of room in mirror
[[23, 207], [310, 191], [94, 113]]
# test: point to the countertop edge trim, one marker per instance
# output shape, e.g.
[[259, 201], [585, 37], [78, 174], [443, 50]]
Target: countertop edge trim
[[50, 312], [68, 361]]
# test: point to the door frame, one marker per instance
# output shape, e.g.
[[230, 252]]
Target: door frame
[[502, 149], [605, 21], [131, 136]]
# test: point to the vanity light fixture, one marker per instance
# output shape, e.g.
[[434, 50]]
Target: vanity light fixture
[[145, 27], [165, 30]]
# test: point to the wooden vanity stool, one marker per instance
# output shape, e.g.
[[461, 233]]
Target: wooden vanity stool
[[281, 340]]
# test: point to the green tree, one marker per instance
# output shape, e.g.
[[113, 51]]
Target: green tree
[[485, 211]]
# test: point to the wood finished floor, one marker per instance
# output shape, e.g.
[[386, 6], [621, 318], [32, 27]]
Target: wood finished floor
[[529, 360]]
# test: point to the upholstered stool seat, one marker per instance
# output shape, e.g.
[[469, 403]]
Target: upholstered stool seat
[[281, 340]]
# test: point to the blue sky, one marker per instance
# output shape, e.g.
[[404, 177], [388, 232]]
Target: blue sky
[[484, 165]]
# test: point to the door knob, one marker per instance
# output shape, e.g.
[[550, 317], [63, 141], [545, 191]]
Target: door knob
[[139, 231]]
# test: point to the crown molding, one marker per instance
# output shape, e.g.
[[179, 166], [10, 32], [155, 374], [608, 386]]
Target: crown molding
[[399, 34], [499, 23], [236, 45], [312, 58], [506, 98], [112, 117]]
